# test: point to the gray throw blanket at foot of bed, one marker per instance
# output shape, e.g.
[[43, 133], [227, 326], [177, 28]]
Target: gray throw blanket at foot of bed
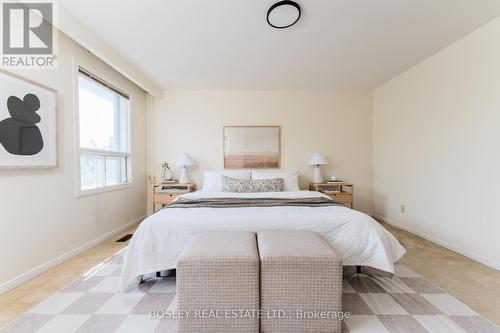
[[250, 202]]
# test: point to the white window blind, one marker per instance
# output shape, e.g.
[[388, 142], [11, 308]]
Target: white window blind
[[104, 130]]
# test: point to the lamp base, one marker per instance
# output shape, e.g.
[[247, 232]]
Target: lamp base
[[317, 176], [184, 176]]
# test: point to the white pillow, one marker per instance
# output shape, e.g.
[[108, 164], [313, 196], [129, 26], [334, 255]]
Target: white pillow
[[291, 178], [212, 180]]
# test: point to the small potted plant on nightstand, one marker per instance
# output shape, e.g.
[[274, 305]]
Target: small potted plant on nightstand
[[166, 172]]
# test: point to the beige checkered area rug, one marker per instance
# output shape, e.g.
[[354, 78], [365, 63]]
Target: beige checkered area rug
[[406, 303]]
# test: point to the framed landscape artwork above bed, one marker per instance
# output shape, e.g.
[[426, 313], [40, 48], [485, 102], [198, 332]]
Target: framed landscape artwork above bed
[[251, 147]]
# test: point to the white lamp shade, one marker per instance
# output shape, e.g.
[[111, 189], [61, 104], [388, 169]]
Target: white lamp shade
[[185, 160], [318, 159]]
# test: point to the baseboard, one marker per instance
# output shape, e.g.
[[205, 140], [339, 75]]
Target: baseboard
[[471, 255], [56, 261]]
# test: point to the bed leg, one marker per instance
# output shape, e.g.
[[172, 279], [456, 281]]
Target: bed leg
[[358, 269]]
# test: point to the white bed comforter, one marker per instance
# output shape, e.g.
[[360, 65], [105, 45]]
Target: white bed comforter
[[159, 240]]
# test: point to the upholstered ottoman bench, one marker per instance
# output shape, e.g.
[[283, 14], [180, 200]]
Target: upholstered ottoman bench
[[218, 283], [300, 283]]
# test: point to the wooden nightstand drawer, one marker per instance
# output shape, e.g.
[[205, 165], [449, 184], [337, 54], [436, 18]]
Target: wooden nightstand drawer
[[164, 194], [343, 198], [165, 198], [339, 191]]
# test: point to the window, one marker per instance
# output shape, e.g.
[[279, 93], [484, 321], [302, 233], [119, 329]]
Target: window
[[104, 129]]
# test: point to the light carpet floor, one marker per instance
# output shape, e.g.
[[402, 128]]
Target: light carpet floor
[[93, 303]]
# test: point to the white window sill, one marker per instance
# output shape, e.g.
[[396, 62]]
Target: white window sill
[[85, 193]]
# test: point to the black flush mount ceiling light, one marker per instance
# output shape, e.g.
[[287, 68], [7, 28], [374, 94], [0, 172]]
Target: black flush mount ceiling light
[[283, 14]]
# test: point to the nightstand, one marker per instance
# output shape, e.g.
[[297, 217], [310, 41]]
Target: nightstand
[[341, 192], [164, 193]]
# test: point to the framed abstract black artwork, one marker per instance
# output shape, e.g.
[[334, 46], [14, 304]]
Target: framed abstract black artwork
[[28, 135]]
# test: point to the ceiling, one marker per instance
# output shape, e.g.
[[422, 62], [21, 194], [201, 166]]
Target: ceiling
[[227, 44]]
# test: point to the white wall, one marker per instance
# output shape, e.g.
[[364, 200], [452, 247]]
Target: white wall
[[337, 124], [40, 217], [436, 147]]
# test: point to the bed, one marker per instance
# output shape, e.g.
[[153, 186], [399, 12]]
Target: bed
[[160, 238]]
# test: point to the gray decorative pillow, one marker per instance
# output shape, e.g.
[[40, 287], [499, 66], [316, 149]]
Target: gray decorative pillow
[[230, 184]]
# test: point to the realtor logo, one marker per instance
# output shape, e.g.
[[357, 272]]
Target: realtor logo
[[28, 34]]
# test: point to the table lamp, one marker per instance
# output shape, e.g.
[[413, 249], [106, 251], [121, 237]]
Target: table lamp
[[316, 160], [184, 161]]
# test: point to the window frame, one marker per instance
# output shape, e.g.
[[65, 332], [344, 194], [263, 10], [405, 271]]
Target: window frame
[[78, 66]]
